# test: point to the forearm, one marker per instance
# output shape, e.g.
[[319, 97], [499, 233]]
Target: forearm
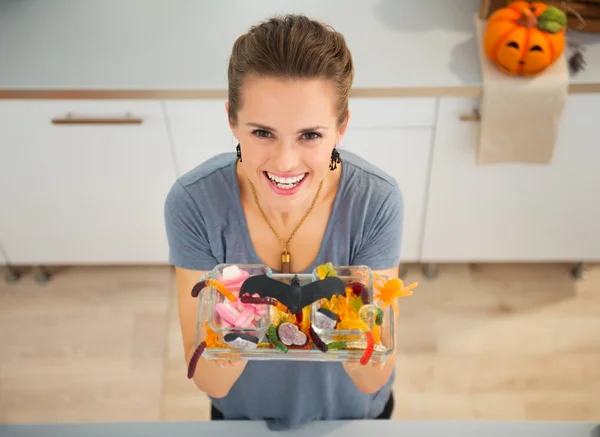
[[371, 378], [212, 379]]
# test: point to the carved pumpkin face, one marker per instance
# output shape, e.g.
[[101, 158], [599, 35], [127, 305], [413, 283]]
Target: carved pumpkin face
[[516, 45]]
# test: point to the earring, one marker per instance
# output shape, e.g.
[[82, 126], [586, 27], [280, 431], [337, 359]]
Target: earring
[[335, 159], [238, 149]]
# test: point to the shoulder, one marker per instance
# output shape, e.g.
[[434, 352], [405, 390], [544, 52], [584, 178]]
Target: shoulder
[[212, 177], [368, 184]]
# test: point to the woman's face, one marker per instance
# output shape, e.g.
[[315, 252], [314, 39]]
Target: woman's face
[[287, 130]]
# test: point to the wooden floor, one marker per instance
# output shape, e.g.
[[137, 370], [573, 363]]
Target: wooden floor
[[508, 342]]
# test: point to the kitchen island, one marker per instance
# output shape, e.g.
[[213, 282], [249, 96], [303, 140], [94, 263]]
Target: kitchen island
[[361, 428]]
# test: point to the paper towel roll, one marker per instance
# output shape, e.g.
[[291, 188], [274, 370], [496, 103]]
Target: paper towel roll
[[520, 116]]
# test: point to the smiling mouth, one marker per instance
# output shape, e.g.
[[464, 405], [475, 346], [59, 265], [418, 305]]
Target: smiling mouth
[[285, 183]]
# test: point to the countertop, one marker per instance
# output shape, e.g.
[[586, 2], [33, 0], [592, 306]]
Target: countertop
[[180, 48], [361, 428]]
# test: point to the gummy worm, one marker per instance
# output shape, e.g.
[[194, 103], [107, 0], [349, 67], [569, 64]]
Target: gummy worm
[[353, 324], [369, 349], [246, 298], [272, 336], [194, 360], [299, 316], [317, 340], [212, 283], [337, 345]]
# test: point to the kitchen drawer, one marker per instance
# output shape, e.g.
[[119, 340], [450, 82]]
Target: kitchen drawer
[[88, 190], [392, 112]]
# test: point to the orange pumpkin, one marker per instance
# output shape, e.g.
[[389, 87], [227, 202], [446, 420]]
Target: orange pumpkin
[[515, 44]]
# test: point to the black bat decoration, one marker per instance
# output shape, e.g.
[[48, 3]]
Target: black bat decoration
[[293, 296]]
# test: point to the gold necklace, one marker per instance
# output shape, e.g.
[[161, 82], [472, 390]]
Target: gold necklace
[[285, 255]]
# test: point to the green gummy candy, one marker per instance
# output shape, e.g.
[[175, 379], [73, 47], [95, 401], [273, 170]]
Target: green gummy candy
[[356, 303], [337, 345]]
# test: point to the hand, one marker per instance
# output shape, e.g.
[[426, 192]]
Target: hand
[[354, 365]]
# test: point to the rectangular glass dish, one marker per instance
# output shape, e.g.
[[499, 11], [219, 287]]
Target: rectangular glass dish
[[234, 327]]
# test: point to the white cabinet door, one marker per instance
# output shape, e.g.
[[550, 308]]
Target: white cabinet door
[[514, 212], [199, 130], [404, 154], [84, 193]]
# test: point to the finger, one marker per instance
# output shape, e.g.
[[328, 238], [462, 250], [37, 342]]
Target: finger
[[351, 366], [378, 366], [225, 364]]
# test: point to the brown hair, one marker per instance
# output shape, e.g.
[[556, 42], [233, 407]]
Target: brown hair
[[291, 46]]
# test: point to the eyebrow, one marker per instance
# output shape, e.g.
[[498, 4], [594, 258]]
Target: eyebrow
[[308, 129]]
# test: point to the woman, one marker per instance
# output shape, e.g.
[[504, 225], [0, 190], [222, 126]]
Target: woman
[[286, 194]]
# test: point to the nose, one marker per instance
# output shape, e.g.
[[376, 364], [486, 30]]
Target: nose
[[286, 158]]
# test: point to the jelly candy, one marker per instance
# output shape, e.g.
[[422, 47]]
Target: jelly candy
[[194, 360], [391, 290], [369, 349], [368, 311], [215, 284], [227, 312], [325, 319], [356, 303], [325, 270], [290, 335], [337, 345], [242, 341], [353, 325], [245, 318], [258, 300], [320, 344], [274, 340]]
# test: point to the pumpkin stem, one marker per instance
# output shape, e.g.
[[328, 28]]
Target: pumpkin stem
[[527, 18]]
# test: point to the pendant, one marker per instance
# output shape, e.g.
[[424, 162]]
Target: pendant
[[285, 262]]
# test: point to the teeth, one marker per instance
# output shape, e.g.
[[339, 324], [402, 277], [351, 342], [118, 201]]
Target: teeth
[[285, 183]]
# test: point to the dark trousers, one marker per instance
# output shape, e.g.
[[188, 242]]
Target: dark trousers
[[385, 414]]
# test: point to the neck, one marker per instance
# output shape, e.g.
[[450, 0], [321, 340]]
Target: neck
[[285, 221]]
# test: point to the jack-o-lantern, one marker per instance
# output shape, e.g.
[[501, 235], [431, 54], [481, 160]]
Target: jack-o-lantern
[[525, 38]]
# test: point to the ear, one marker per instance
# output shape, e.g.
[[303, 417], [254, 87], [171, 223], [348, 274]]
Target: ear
[[231, 125], [343, 127]]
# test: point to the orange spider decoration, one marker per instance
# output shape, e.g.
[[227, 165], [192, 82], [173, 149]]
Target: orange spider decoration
[[391, 290]]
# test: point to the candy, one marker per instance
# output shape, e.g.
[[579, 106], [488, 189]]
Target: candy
[[325, 270], [391, 290], [353, 325], [337, 345], [367, 312], [356, 303], [325, 319], [227, 312], [245, 318], [216, 285], [369, 349], [290, 335], [242, 341], [360, 290], [247, 299], [320, 344], [272, 336], [194, 360]]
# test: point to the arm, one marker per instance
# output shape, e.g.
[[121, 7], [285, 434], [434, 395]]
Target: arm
[[210, 376], [380, 250], [191, 253]]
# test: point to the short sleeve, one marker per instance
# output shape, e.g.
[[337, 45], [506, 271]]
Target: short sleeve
[[187, 235], [382, 240]]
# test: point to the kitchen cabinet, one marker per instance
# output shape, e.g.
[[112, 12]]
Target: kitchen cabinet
[[396, 135], [199, 130], [514, 212], [84, 182]]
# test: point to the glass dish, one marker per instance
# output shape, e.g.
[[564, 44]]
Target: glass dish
[[209, 318]]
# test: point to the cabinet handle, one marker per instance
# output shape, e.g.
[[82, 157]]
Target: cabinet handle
[[71, 119], [473, 116]]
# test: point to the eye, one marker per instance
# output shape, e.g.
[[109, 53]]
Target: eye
[[513, 44], [536, 48], [261, 133], [311, 136]]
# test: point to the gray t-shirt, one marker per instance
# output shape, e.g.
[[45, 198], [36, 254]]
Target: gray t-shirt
[[206, 226]]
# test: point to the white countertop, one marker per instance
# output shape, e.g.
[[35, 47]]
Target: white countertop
[[359, 428], [185, 44]]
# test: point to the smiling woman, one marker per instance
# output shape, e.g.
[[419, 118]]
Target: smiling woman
[[287, 198]]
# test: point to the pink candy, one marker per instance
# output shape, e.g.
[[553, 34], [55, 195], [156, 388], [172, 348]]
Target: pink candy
[[238, 314]]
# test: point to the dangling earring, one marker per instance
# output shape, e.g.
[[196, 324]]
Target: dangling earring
[[335, 159], [238, 149]]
